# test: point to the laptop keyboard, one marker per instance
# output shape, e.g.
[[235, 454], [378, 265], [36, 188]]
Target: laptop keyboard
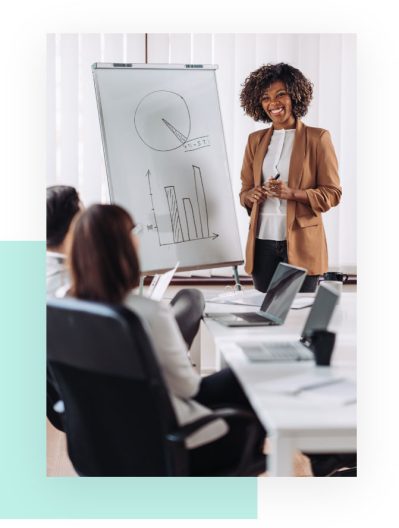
[[274, 352], [254, 318]]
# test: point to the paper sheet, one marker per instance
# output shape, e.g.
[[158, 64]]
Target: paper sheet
[[316, 386], [160, 283], [253, 297]]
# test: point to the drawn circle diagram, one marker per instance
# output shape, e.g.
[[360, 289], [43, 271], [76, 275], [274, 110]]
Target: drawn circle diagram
[[162, 120]]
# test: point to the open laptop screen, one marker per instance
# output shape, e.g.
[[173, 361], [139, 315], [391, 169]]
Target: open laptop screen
[[321, 311], [286, 282]]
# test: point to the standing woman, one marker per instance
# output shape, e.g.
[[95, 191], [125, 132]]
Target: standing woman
[[289, 177]]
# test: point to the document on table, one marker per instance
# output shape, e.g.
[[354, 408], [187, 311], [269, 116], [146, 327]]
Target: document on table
[[312, 386], [341, 393], [247, 297], [254, 297]]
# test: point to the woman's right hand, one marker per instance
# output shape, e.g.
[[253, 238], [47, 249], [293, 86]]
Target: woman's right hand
[[256, 195]]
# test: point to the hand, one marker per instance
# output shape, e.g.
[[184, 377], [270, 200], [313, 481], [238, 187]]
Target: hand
[[278, 189], [256, 195]]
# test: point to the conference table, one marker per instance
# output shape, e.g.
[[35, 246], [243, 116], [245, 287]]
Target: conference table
[[322, 420]]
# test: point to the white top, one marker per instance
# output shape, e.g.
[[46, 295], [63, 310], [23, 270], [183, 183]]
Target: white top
[[57, 276], [181, 379], [273, 212]]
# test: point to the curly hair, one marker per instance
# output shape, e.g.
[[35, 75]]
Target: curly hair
[[298, 87]]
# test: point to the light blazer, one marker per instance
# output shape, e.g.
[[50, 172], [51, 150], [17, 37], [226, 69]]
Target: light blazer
[[180, 378], [313, 168]]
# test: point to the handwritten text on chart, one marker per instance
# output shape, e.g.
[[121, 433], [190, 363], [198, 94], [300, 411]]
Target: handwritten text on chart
[[197, 143]]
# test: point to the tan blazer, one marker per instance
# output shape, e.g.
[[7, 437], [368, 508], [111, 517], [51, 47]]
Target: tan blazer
[[313, 168]]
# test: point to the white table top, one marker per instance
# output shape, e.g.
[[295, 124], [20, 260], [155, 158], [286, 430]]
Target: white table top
[[302, 414]]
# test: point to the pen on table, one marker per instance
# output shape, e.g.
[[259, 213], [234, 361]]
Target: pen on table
[[317, 385]]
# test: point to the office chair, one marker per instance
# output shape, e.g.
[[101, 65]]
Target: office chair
[[119, 419], [188, 305], [55, 417]]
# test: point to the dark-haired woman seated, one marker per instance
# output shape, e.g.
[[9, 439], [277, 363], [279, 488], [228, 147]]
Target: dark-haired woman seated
[[289, 177], [104, 267]]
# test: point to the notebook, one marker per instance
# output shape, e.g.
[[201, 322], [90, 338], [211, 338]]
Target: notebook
[[318, 319], [285, 284]]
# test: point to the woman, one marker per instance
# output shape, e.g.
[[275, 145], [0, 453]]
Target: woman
[[105, 243], [289, 177]]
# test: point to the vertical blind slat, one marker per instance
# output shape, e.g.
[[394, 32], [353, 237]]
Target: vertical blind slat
[[244, 63], [223, 56], [113, 47], [330, 118], [135, 48], [69, 114], [201, 50], [180, 48], [92, 160], [308, 63], [158, 48], [348, 213], [51, 146]]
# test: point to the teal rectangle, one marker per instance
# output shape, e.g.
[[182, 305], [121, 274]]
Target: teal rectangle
[[25, 490]]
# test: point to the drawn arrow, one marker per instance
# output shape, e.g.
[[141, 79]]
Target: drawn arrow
[[215, 235]]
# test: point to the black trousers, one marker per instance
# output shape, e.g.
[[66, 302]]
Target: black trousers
[[268, 254], [223, 389]]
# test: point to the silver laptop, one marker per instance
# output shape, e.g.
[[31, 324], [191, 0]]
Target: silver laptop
[[285, 284], [318, 319]]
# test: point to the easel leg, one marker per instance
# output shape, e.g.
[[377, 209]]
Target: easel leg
[[236, 278]]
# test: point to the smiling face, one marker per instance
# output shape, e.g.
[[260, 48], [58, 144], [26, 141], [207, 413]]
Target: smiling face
[[277, 104]]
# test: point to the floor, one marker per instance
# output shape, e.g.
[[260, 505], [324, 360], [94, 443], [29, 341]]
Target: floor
[[59, 465]]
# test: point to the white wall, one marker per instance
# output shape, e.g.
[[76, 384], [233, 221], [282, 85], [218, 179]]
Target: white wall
[[73, 136]]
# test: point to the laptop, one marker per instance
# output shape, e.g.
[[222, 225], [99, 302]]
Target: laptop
[[160, 284], [318, 319], [285, 284]]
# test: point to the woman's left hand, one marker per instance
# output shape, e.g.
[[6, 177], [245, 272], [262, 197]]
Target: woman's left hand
[[278, 189]]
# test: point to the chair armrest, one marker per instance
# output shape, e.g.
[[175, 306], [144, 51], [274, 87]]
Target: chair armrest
[[227, 413]]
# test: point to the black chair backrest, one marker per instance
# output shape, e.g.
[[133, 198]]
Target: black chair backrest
[[117, 409], [188, 307]]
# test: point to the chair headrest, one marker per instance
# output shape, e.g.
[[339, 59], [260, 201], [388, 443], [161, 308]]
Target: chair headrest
[[98, 337]]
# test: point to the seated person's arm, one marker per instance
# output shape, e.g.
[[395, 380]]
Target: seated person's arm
[[171, 350]]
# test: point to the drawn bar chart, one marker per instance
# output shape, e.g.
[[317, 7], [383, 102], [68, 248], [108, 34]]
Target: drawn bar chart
[[174, 214], [201, 201], [195, 224], [190, 219]]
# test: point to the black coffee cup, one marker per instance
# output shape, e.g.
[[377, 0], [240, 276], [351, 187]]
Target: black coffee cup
[[322, 344], [335, 276]]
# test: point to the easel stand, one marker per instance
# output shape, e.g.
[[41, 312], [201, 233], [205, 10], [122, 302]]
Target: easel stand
[[236, 278]]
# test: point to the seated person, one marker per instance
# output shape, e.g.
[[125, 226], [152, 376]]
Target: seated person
[[105, 267], [63, 204]]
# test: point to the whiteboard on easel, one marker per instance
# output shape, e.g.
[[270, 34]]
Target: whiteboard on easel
[[167, 164]]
